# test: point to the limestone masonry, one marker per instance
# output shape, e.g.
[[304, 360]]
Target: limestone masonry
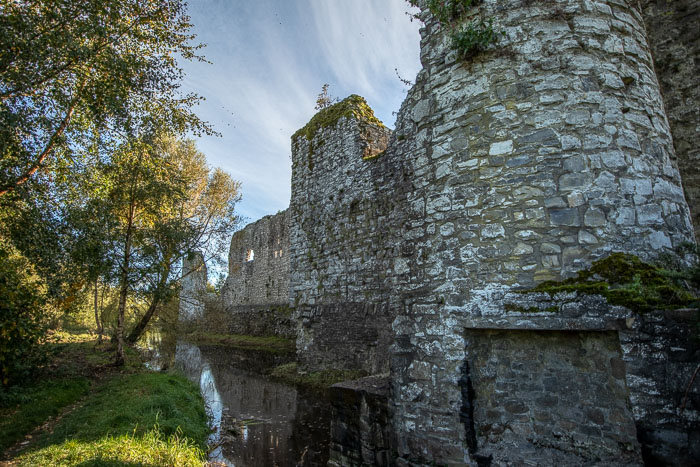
[[194, 285], [405, 254]]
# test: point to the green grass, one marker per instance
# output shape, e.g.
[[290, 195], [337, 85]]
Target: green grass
[[134, 404], [151, 418], [152, 448], [290, 373], [27, 408], [266, 344], [127, 416]]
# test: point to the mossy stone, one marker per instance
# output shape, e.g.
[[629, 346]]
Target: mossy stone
[[624, 280], [353, 106]]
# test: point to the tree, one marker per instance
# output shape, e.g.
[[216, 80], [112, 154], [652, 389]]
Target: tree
[[203, 221], [70, 68], [324, 99], [162, 203], [23, 314]]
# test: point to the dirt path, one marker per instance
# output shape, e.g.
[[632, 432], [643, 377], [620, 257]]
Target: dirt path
[[96, 372], [11, 453]]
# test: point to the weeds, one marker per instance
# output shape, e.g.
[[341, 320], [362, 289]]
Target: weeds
[[291, 374], [469, 39]]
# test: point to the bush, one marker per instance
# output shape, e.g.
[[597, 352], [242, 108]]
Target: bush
[[24, 315], [467, 39], [473, 38]]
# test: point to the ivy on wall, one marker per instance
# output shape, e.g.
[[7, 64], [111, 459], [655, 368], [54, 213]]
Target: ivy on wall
[[468, 38]]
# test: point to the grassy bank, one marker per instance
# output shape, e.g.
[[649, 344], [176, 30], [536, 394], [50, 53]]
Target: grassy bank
[[266, 344], [291, 374], [33, 406], [91, 413]]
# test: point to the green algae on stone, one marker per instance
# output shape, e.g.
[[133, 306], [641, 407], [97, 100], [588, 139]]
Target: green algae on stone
[[374, 156], [624, 280], [531, 309], [353, 106]]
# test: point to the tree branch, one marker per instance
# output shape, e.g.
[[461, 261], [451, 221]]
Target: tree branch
[[45, 153]]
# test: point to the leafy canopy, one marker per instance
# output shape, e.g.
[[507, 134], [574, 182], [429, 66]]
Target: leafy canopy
[[74, 69]]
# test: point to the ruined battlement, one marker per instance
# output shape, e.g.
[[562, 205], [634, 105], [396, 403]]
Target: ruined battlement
[[337, 213], [258, 263], [194, 287]]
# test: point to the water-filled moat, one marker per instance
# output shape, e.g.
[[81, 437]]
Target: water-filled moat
[[256, 420]]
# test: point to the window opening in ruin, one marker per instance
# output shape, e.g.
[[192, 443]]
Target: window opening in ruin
[[280, 253], [250, 256], [275, 253]]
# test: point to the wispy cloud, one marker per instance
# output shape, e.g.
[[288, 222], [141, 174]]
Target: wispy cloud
[[270, 58]]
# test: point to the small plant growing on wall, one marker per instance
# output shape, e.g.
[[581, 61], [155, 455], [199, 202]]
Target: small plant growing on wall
[[467, 39]]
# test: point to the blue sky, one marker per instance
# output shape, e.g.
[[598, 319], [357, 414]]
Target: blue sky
[[270, 59]]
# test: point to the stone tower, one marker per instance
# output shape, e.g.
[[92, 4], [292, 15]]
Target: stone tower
[[194, 287], [412, 254], [336, 219], [530, 161]]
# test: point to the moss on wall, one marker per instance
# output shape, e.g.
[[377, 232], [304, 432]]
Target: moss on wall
[[625, 280], [353, 106]]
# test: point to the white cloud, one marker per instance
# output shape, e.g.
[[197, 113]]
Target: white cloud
[[270, 59]]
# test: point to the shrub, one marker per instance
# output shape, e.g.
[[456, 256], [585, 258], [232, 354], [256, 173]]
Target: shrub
[[467, 39], [23, 315]]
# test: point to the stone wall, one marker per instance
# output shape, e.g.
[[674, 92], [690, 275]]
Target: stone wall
[[338, 222], [672, 26], [661, 352], [558, 397], [539, 156], [258, 264], [409, 250], [261, 320], [194, 287]]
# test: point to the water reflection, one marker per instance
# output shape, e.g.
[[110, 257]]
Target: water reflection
[[256, 421]]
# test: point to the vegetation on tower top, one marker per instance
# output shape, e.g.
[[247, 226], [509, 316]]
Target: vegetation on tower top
[[353, 106]]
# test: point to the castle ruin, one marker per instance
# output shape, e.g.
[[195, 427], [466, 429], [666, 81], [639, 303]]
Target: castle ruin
[[409, 254]]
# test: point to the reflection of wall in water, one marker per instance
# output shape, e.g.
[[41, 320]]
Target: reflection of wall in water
[[252, 396], [272, 406], [188, 359]]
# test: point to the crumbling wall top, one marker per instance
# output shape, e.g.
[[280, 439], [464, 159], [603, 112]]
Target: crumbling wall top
[[353, 106]]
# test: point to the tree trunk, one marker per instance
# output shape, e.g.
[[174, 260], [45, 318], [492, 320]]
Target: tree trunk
[[157, 298], [124, 288], [98, 321], [44, 154], [141, 326]]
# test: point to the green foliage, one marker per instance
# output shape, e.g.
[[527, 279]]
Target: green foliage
[[450, 11], [683, 266], [23, 315], [473, 38], [27, 407], [352, 106], [152, 448], [159, 202], [467, 39], [627, 281], [75, 73]]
